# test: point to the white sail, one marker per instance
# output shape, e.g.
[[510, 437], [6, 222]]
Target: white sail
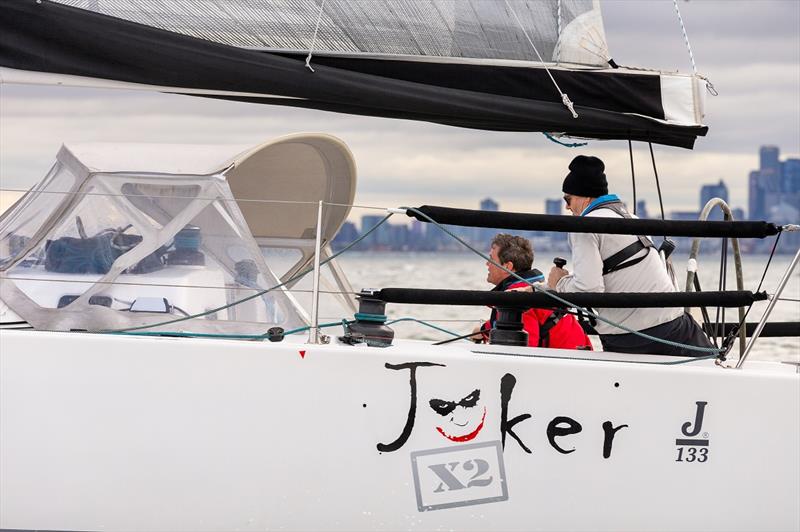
[[479, 29]]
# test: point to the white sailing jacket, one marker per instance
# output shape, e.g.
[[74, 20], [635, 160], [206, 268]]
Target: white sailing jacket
[[589, 250]]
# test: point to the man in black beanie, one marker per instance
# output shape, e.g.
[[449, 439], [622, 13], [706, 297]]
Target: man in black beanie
[[620, 263]]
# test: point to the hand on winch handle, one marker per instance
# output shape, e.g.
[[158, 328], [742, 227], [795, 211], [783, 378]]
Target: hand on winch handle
[[478, 337], [556, 272]]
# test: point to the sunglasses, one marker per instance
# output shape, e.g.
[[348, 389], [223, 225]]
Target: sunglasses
[[567, 199]]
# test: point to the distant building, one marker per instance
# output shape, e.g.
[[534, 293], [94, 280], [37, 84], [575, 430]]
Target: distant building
[[709, 192], [684, 244], [770, 168], [346, 234], [769, 186], [551, 240], [774, 195], [790, 176], [755, 197], [790, 182], [380, 238], [483, 235], [417, 231], [554, 206], [489, 205], [641, 209], [368, 221], [684, 215], [398, 237]]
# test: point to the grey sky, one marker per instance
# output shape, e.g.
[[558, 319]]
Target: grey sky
[[749, 50]]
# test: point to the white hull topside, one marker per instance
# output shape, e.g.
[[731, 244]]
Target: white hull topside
[[101, 432]]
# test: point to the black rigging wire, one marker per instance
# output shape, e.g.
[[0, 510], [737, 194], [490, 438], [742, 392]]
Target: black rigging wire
[[703, 310], [728, 343], [658, 185], [719, 330], [633, 174], [769, 260], [463, 337]]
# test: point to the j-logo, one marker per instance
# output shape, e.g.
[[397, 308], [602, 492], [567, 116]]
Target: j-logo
[[698, 421]]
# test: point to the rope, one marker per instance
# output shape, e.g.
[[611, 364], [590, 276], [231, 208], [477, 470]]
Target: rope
[[224, 336], [367, 316], [422, 322], [559, 22], [709, 86], [261, 292], [266, 336], [685, 36], [562, 300], [314, 39], [566, 144], [564, 98]]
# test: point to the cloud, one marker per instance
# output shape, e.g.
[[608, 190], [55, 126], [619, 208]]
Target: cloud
[[750, 50], [721, 32]]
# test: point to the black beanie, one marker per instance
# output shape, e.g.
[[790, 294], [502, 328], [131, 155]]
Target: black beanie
[[586, 177]]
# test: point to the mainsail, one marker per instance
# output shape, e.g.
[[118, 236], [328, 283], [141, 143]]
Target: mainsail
[[494, 65], [477, 29]]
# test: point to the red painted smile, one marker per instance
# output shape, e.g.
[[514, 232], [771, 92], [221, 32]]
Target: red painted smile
[[465, 437]]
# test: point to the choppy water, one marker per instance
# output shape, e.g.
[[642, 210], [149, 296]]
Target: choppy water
[[467, 271]]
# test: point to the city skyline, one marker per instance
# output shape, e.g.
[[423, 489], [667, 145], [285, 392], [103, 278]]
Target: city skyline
[[774, 196]]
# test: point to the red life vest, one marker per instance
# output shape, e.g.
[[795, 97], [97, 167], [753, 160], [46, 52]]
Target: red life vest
[[545, 327]]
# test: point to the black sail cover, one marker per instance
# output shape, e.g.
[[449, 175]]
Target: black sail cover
[[502, 95]]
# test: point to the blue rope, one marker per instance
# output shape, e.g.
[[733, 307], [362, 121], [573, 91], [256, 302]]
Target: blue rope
[[266, 336], [366, 316], [422, 322], [565, 144]]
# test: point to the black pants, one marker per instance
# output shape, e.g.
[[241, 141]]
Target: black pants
[[683, 329]]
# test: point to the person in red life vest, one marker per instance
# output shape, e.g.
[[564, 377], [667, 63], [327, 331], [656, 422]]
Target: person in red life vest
[[545, 327]]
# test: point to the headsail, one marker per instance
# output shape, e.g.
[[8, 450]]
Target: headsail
[[467, 63]]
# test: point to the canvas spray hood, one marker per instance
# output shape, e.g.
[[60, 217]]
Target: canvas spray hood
[[170, 215]]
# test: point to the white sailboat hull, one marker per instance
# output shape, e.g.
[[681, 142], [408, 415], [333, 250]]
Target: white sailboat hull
[[101, 432]]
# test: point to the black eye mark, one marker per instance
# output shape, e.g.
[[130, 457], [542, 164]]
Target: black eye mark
[[471, 400], [442, 407]]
